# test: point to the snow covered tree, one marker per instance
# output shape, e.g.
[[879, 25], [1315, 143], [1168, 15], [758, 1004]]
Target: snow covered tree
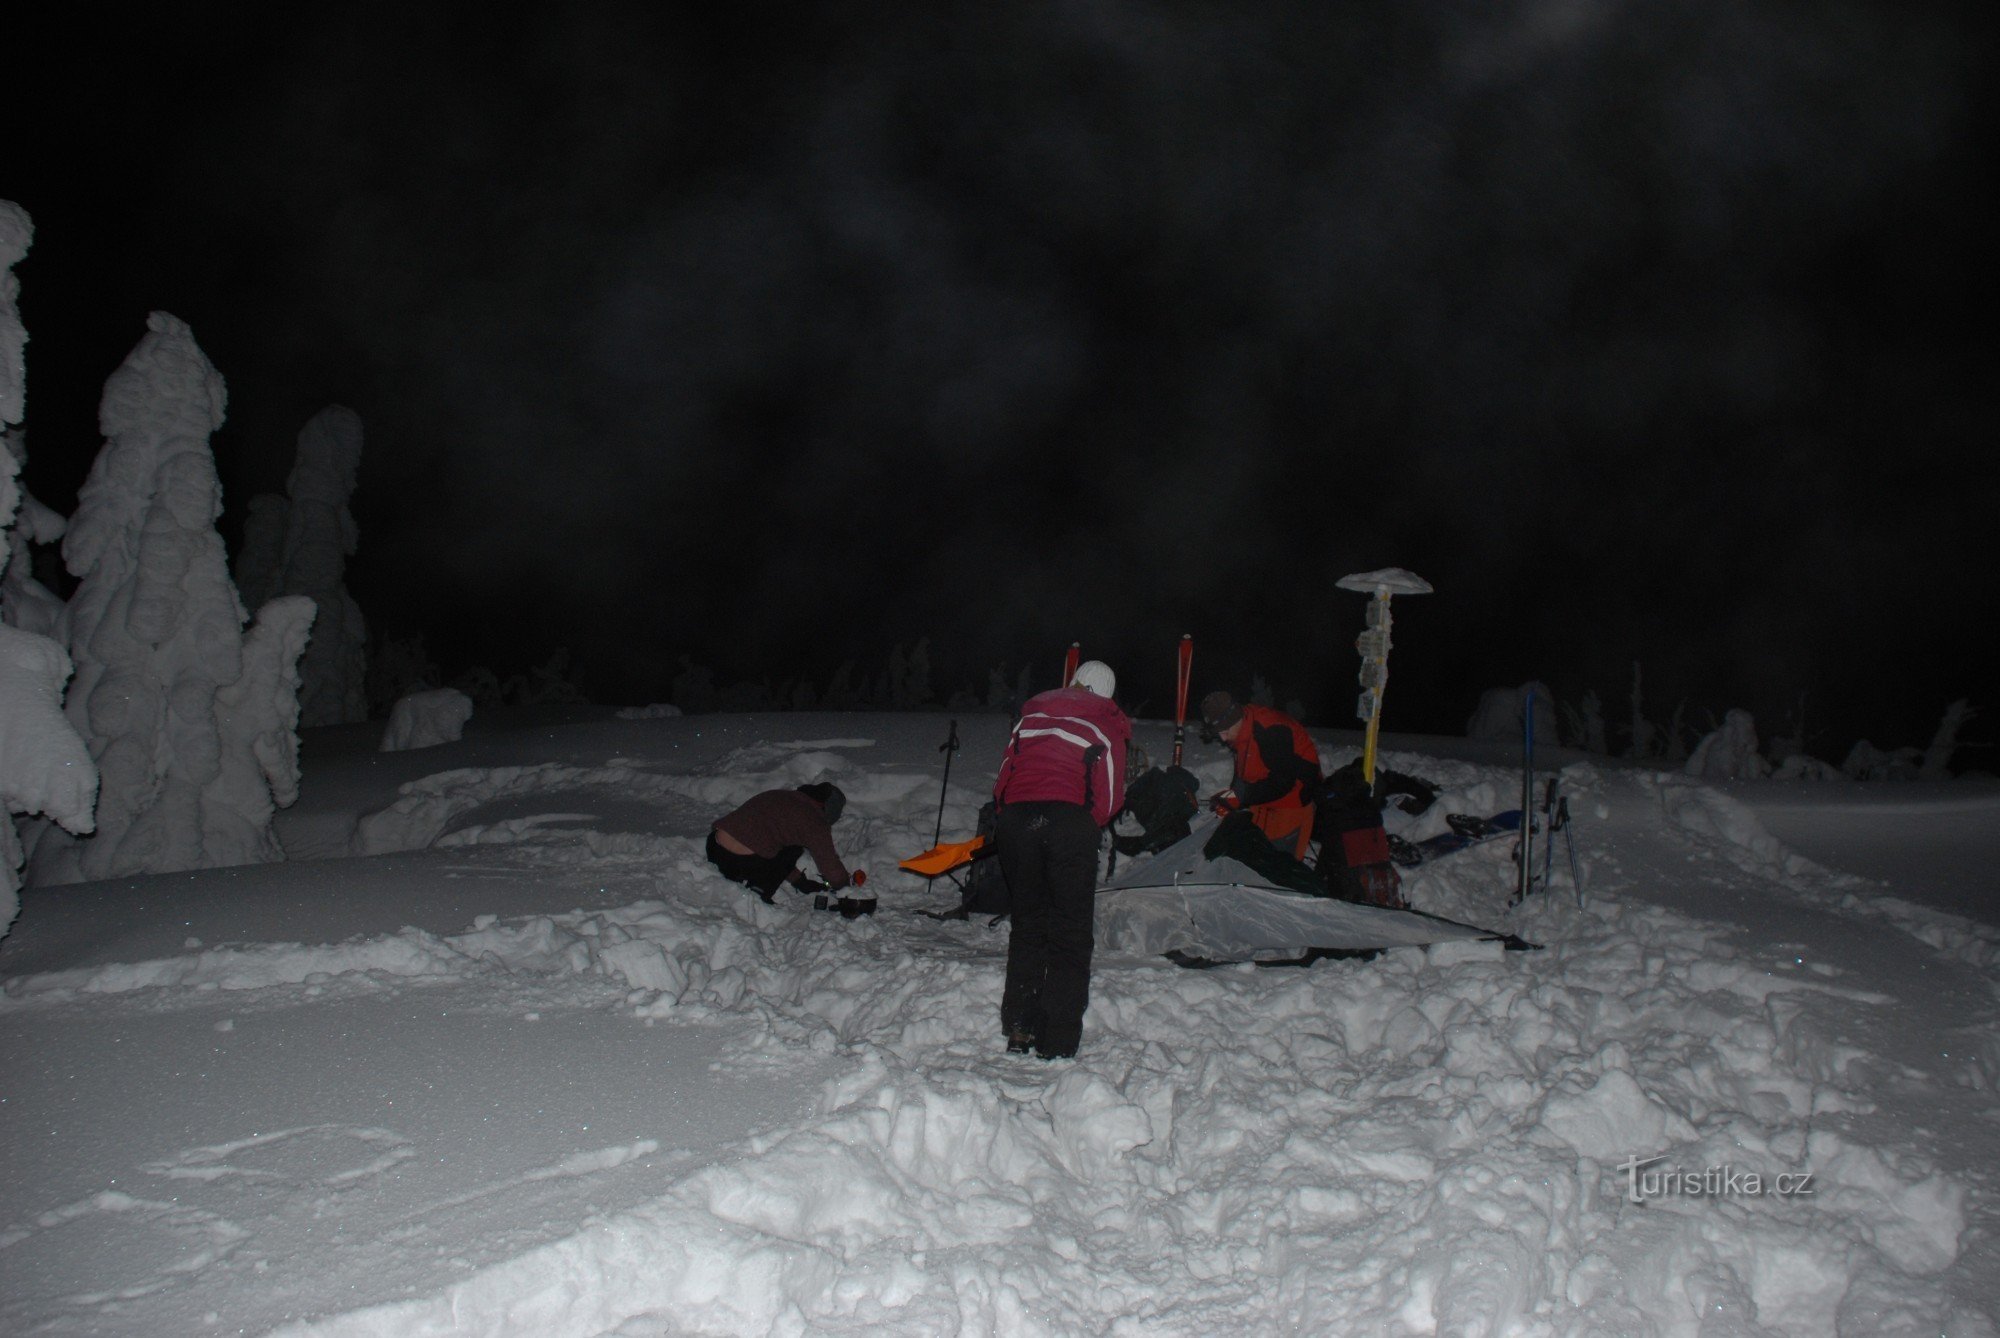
[[551, 683], [426, 718], [1784, 747], [1937, 758], [840, 694], [1584, 727], [1641, 734], [1804, 767], [1867, 762], [1501, 714], [693, 687], [24, 602], [1730, 752], [258, 715], [397, 667], [260, 562], [299, 544], [909, 685], [999, 692], [17, 233], [1674, 745], [747, 694], [156, 631], [320, 535], [44, 766], [483, 686]]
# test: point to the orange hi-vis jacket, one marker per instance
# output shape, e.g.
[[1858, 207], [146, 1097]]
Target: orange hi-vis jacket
[[1276, 760], [1277, 773]]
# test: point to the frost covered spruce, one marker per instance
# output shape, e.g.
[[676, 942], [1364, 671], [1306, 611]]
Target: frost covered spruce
[[299, 544], [191, 727], [44, 767]]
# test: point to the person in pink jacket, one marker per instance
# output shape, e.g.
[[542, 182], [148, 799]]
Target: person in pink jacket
[[1061, 781]]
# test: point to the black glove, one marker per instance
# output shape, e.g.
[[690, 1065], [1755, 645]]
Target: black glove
[[1423, 795]]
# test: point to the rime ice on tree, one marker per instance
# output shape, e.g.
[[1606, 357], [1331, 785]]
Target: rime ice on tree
[[260, 562], [427, 718], [299, 545], [16, 232], [165, 694], [24, 603], [320, 535], [1502, 712], [44, 767], [1729, 753], [259, 712]]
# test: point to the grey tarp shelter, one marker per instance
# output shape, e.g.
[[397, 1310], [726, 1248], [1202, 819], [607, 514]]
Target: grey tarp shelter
[[1179, 902]]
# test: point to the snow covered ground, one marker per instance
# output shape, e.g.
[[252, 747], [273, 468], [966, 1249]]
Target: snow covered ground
[[497, 1052]]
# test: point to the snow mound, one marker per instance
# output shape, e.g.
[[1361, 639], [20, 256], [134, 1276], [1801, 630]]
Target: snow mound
[[426, 719], [1707, 814]]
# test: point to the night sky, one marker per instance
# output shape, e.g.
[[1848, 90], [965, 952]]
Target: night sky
[[772, 335]]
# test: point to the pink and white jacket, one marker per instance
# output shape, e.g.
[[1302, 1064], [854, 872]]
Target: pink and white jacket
[[1069, 746]]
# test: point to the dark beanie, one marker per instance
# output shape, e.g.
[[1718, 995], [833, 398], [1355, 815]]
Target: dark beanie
[[829, 797], [1220, 710]]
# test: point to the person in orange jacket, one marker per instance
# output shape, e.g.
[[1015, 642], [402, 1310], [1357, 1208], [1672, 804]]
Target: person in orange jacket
[[1277, 770]]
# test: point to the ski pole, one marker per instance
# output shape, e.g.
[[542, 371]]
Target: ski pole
[[1569, 842], [1184, 659], [1549, 834], [1072, 658], [948, 747], [1527, 881]]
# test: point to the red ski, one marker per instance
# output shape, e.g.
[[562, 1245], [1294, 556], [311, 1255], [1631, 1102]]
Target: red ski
[[1185, 659]]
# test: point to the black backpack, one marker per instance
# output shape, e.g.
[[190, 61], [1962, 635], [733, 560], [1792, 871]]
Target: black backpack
[[985, 890], [1163, 800]]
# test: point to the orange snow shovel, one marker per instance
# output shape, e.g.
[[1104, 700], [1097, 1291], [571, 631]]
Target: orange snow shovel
[[943, 858]]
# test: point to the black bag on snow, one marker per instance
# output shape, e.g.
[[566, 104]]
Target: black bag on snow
[[1163, 800]]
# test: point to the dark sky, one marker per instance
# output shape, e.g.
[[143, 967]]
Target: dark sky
[[773, 334]]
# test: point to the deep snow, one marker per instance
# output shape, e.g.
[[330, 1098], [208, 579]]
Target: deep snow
[[497, 1052]]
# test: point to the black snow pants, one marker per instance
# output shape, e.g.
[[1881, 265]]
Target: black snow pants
[[1048, 852], [761, 874]]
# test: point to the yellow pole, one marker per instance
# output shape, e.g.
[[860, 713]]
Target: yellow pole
[[1368, 750], [1374, 676], [1373, 643]]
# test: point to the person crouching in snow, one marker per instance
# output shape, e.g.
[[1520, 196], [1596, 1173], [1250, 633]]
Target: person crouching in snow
[[1062, 779], [1277, 770], [759, 844]]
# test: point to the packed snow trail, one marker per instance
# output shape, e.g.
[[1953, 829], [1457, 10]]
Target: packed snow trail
[[1426, 1142]]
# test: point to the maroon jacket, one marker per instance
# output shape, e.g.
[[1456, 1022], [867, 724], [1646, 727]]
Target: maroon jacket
[[770, 821], [1068, 745]]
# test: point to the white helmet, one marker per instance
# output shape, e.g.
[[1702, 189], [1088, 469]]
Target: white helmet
[[1095, 676]]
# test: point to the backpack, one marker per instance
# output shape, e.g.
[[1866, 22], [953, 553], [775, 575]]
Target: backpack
[[1163, 802], [985, 890]]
